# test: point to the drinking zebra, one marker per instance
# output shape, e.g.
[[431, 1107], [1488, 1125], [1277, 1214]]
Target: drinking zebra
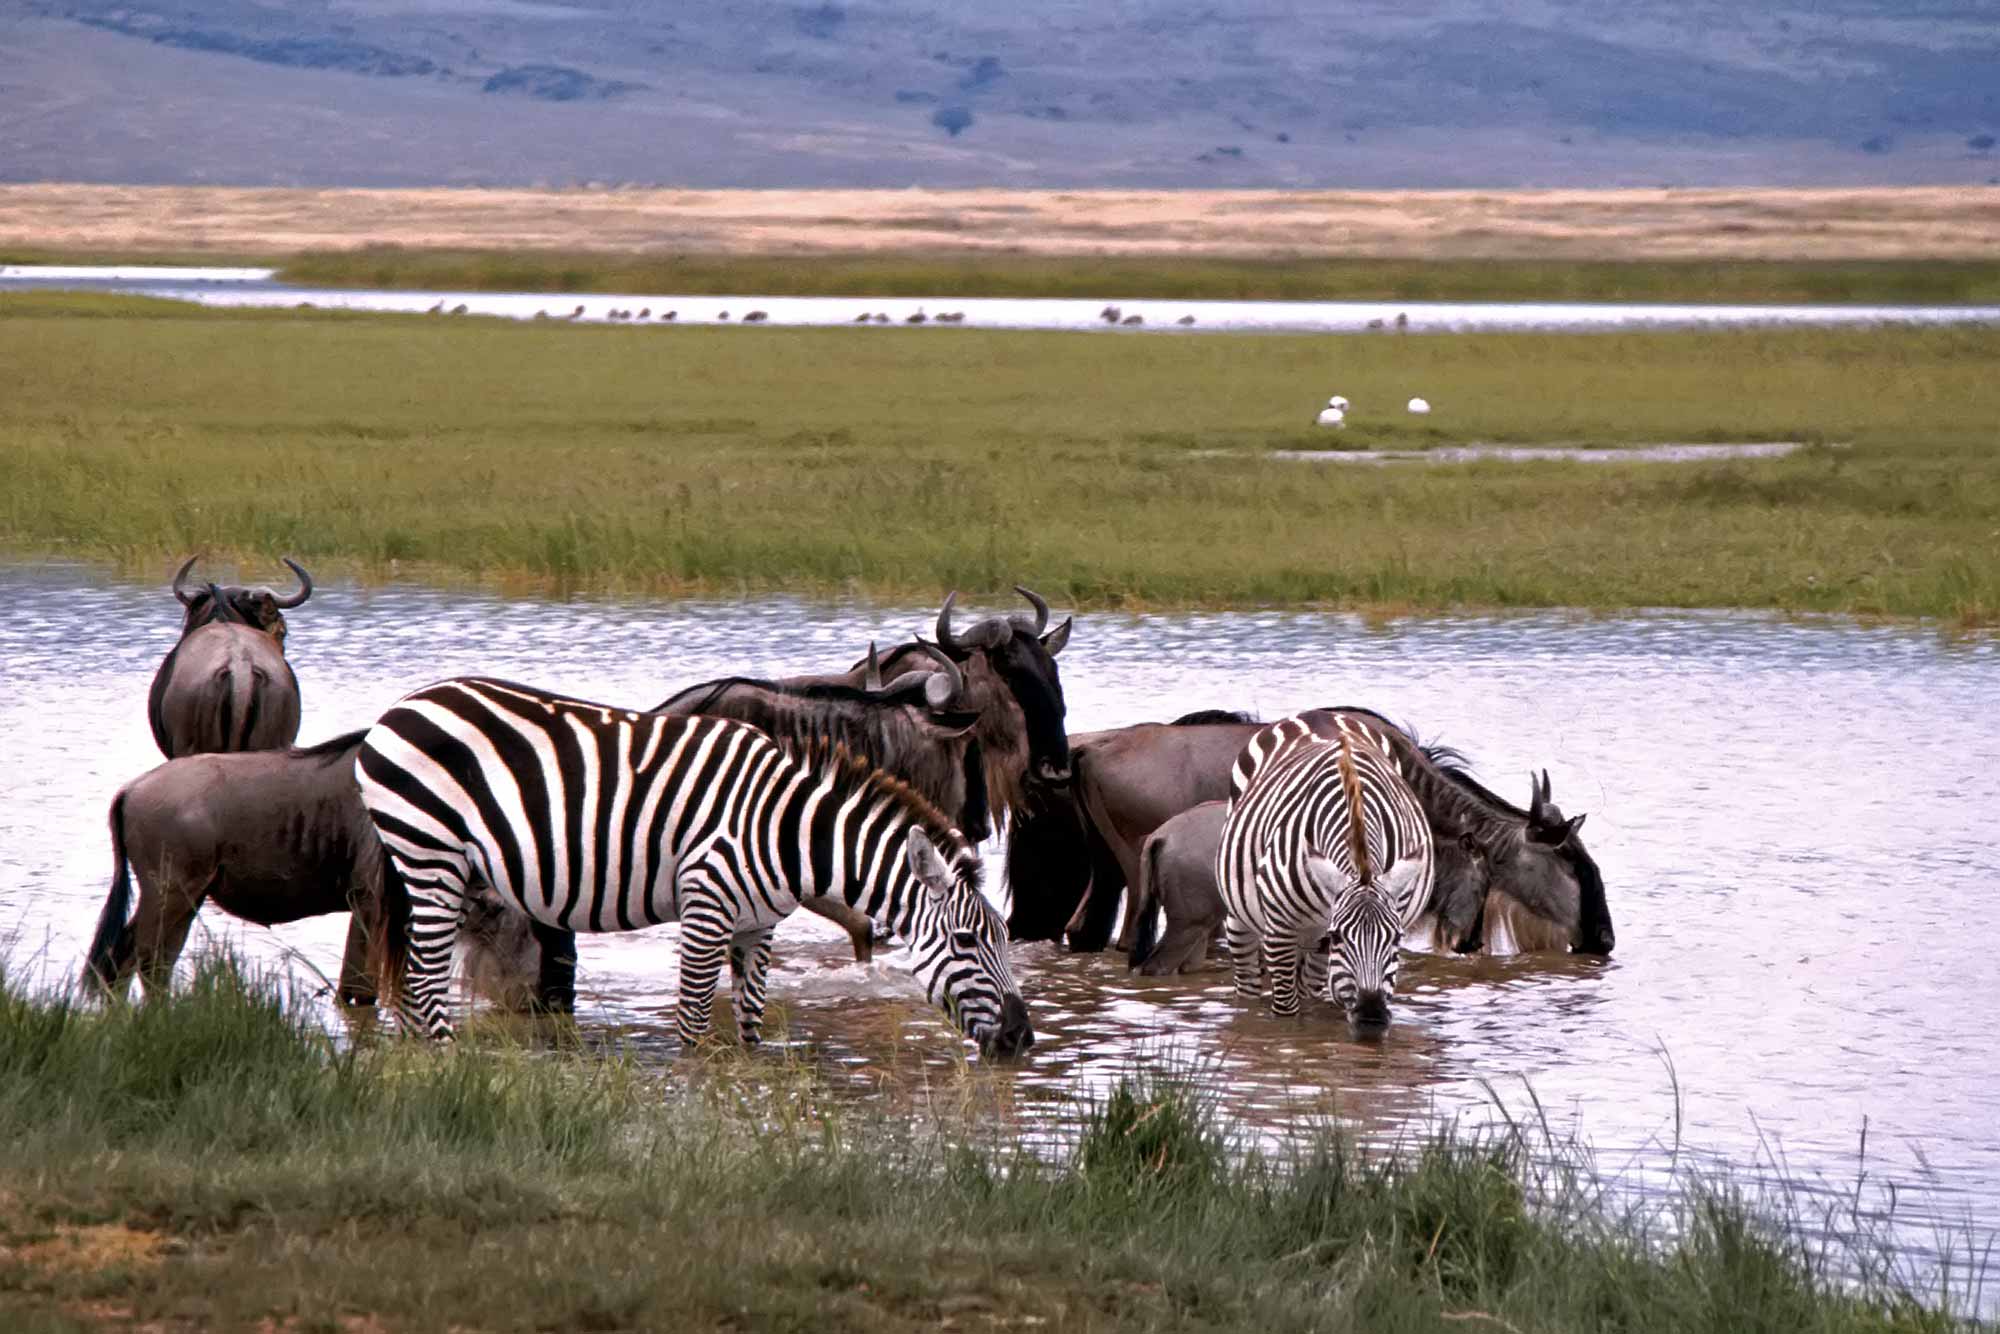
[[1323, 837], [594, 818]]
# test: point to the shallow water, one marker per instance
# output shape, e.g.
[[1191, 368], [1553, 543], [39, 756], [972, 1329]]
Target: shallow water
[[1793, 819], [255, 288], [1480, 453]]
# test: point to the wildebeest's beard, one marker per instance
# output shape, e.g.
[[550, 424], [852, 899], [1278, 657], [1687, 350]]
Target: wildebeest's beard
[[1036, 684]]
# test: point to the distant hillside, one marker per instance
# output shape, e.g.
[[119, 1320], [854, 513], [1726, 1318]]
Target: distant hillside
[[1032, 93]]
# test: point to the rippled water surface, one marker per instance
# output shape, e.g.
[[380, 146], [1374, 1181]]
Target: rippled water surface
[[1795, 823]]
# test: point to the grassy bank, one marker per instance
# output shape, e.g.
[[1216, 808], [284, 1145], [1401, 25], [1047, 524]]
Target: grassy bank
[[1191, 278], [1102, 469], [216, 1162]]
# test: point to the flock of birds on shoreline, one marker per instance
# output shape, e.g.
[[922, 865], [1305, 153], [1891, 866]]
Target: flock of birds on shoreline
[[1112, 315]]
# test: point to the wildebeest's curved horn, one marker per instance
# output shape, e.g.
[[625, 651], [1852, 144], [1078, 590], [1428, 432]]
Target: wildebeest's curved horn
[[946, 640], [871, 679], [941, 693], [179, 592], [1041, 612], [305, 586], [1535, 797]]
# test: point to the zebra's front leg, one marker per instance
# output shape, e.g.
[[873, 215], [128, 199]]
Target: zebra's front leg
[[1287, 962], [1246, 956], [705, 940], [437, 902], [750, 973]]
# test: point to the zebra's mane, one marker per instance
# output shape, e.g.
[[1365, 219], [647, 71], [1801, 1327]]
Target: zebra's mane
[[855, 773]]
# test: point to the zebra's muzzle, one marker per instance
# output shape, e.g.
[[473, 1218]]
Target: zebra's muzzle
[[1013, 1035], [1370, 1012]]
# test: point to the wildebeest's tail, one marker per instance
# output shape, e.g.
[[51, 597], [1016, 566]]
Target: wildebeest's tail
[[1146, 936], [111, 947], [1048, 865], [391, 946]]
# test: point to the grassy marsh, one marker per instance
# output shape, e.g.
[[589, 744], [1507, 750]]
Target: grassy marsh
[[214, 1160], [1192, 278], [1102, 469]]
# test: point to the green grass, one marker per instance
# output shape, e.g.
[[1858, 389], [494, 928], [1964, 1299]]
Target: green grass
[[215, 1161], [1129, 278], [1103, 470]]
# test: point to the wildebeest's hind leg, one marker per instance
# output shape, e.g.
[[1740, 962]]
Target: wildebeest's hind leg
[[859, 926], [357, 971], [168, 903], [555, 986]]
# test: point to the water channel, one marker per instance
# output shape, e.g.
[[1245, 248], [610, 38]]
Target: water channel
[[259, 288]]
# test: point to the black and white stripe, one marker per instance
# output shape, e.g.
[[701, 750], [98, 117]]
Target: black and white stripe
[[1324, 838], [594, 818]]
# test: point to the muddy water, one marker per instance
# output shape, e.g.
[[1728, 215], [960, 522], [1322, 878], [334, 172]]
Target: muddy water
[[1794, 819]]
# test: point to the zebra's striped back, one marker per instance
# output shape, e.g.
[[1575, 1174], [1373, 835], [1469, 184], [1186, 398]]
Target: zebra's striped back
[[1323, 835], [595, 818]]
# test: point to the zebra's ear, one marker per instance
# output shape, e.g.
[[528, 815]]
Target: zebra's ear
[[927, 866]]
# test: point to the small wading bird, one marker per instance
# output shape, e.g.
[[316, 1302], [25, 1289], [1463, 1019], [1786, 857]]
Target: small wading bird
[[1420, 406], [1333, 414]]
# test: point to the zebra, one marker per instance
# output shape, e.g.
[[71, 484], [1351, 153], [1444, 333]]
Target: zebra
[[594, 818], [1323, 838]]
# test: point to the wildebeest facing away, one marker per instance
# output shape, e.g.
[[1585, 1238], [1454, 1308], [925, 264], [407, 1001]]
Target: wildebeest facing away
[[226, 686], [270, 836], [1129, 781]]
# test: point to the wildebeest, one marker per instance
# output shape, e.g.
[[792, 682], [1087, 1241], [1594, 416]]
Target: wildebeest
[[1013, 684], [1177, 881], [1129, 781], [226, 685], [270, 836]]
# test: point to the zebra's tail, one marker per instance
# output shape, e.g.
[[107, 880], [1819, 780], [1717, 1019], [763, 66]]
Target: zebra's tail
[[1357, 827], [112, 944], [1146, 936]]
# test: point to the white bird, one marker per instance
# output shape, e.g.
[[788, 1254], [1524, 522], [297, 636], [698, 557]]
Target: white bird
[[1420, 406], [1334, 413]]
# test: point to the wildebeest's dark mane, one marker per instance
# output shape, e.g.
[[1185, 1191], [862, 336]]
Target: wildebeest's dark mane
[[821, 754], [324, 749], [1206, 717]]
